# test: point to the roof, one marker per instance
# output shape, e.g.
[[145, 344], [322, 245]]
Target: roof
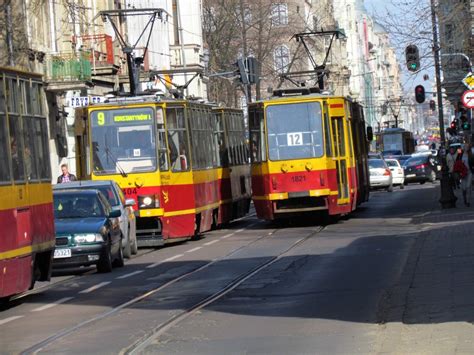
[[83, 183], [78, 191]]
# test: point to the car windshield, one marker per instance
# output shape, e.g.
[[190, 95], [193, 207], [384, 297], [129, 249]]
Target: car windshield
[[295, 131], [376, 163], [108, 192], [123, 140], [77, 205], [392, 163], [415, 161]]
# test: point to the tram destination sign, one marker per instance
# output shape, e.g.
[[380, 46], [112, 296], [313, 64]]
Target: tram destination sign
[[81, 101]]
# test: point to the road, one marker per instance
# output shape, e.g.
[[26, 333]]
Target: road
[[254, 287]]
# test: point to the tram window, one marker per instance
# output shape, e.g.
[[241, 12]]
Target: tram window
[[36, 99], [28, 106], [16, 148], [257, 141], [342, 136], [31, 148], [5, 175], [303, 139], [177, 139], [43, 151], [13, 95], [327, 132], [2, 97]]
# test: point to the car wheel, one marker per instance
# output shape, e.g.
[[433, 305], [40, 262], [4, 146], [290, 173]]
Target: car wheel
[[119, 262], [135, 247], [390, 188], [402, 186], [422, 182], [127, 249], [105, 262]]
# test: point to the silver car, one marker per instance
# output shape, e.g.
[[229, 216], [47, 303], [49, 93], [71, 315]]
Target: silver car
[[380, 175]]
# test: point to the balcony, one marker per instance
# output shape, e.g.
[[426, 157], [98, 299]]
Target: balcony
[[68, 71], [100, 49]]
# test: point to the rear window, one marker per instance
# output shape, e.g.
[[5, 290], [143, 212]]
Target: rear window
[[392, 163], [415, 161], [376, 163]]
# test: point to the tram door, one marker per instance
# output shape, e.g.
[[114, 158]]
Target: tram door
[[340, 155]]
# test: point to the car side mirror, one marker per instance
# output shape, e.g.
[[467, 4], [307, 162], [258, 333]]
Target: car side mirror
[[129, 202], [370, 133], [115, 214]]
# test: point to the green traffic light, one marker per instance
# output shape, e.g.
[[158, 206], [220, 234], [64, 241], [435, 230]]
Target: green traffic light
[[413, 66]]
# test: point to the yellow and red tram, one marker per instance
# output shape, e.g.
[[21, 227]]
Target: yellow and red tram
[[27, 238], [185, 163], [309, 153]]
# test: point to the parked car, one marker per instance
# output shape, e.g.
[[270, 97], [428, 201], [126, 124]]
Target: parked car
[[380, 174], [420, 168], [398, 176], [402, 159], [117, 200], [375, 155], [87, 230]]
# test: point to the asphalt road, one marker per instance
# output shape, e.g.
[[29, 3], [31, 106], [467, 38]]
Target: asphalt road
[[252, 288]]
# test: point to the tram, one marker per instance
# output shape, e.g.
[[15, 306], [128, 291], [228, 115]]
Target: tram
[[309, 153], [27, 239], [185, 163]]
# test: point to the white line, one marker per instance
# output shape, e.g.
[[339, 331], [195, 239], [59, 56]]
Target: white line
[[227, 236], [130, 274], [194, 249], [173, 257], [154, 265], [6, 320], [50, 305], [211, 242], [95, 287]]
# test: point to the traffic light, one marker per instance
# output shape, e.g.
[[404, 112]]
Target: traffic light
[[253, 69], [242, 72], [412, 56], [465, 125], [454, 126], [420, 94], [432, 105]]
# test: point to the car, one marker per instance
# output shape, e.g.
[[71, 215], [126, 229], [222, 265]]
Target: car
[[380, 175], [87, 230], [391, 153], [375, 155], [402, 158], [116, 198], [420, 168], [398, 176]]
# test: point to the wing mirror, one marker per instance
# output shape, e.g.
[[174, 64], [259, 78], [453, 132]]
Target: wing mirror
[[129, 202], [115, 214], [370, 133]]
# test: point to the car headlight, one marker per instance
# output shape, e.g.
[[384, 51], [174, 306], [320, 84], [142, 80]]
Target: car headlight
[[148, 201], [88, 238]]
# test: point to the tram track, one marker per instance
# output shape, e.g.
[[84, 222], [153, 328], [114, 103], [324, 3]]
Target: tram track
[[40, 346]]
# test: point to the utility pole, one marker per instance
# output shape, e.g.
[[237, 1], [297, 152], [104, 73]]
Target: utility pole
[[448, 199], [181, 41], [9, 33]]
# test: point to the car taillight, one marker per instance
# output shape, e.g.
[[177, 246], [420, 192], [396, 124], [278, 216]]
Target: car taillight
[[387, 172], [421, 166]]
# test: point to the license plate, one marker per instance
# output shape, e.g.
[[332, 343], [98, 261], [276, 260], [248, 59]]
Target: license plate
[[410, 175], [62, 253]]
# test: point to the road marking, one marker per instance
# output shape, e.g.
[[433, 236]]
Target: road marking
[[50, 305], [129, 274], [194, 249], [211, 242], [227, 236], [95, 287], [6, 320], [164, 261]]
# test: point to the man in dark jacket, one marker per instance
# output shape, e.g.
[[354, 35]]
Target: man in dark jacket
[[65, 176]]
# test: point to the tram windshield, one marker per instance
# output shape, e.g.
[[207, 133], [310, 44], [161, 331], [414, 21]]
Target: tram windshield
[[295, 131], [123, 140]]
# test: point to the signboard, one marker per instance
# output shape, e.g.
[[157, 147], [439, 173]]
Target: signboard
[[469, 81], [81, 101], [468, 99]]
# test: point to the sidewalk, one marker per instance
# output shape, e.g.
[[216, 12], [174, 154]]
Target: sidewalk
[[434, 297]]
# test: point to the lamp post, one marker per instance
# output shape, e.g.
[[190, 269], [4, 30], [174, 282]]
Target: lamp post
[[448, 199]]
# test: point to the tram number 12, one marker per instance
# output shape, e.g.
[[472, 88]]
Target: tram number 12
[[294, 138]]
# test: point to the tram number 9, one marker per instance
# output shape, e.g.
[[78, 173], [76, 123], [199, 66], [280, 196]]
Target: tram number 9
[[294, 138], [100, 118], [130, 191]]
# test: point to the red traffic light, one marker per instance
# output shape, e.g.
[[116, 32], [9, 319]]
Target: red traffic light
[[420, 94]]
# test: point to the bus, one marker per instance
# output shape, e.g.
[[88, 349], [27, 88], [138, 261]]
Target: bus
[[27, 240], [309, 154], [185, 163]]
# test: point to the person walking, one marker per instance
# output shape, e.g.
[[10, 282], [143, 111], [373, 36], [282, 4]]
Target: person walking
[[451, 158], [66, 176], [466, 176]]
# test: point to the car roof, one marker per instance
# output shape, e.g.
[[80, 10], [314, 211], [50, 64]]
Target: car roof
[[77, 191], [83, 183]]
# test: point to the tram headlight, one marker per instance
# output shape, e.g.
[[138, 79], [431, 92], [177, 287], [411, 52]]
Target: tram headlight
[[148, 201], [88, 238]]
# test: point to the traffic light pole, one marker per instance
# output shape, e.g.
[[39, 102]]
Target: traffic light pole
[[448, 199]]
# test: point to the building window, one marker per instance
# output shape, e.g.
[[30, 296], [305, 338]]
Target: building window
[[282, 58], [279, 14]]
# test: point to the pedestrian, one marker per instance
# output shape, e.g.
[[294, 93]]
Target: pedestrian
[[66, 176], [451, 158], [466, 177]]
